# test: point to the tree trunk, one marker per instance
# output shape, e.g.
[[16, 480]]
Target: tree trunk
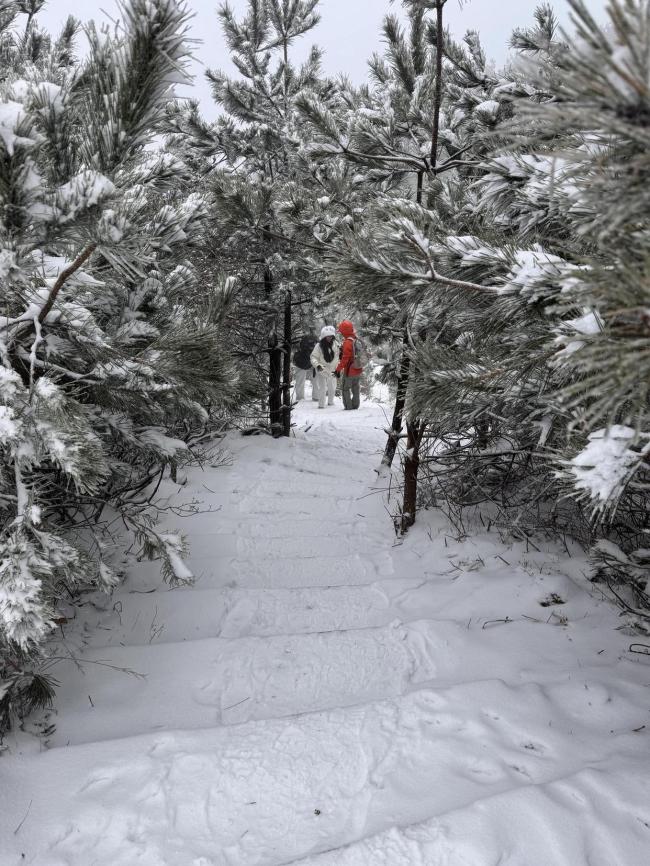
[[275, 357], [415, 428], [437, 100], [400, 402], [286, 368], [268, 281], [275, 385], [415, 432], [403, 377], [268, 274]]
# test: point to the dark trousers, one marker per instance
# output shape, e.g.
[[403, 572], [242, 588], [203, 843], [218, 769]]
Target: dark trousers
[[350, 391]]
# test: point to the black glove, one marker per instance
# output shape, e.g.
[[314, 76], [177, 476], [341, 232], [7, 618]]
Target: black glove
[[337, 373], [319, 368]]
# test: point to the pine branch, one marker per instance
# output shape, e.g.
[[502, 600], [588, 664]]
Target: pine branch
[[63, 276]]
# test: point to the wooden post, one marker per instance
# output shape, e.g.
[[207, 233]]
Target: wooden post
[[286, 368]]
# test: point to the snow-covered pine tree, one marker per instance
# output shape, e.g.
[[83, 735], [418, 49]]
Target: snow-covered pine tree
[[593, 130], [548, 366], [554, 364], [249, 162], [481, 370], [417, 146], [102, 355], [380, 136], [530, 376]]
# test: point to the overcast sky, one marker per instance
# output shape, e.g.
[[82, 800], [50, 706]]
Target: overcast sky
[[349, 30]]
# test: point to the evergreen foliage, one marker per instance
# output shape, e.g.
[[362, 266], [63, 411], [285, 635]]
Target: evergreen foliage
[[525, 298], [110, 356], [254, 165]]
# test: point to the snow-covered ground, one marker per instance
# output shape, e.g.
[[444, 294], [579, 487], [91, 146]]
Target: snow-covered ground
[[325, 695]]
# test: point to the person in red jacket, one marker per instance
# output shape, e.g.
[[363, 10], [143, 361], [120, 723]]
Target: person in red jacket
[[348, 373]]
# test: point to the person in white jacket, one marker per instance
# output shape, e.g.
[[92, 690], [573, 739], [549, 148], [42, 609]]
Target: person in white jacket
[[324, 359]]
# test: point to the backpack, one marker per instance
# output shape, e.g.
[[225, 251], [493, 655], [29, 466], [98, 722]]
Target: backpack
[[301, 357], [361, 356]]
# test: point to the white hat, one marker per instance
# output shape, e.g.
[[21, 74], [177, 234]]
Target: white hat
[[328, 331]]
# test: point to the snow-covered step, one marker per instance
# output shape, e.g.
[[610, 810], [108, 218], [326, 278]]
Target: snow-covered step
[[319, 545], [333, 452], [181, 614], [231, 523], [204, 683], [216, 571], [290, 505], [324, 446], [318, 486], [540, 825], [330, 570], [297, 527], [308, 610], [270, 792], [351, 477], [463, 650], [163, 616], [247, 544], [303, 469]]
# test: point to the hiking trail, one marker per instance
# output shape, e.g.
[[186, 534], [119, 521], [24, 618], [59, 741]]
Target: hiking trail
[[327, 694]]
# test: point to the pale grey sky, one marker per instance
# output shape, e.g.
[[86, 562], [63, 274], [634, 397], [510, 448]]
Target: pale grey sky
[[349, 30]]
